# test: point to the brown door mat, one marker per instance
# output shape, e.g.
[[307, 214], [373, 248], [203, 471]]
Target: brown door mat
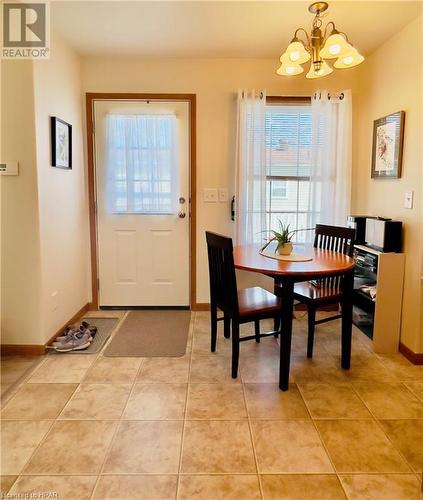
[[151, 333]]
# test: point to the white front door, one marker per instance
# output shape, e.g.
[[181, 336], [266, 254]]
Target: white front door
[[142, 181]]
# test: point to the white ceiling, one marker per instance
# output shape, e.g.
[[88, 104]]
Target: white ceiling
[[216, 29]]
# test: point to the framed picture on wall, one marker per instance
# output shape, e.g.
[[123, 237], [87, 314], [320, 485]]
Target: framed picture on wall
[[61, 143], [388, 140]]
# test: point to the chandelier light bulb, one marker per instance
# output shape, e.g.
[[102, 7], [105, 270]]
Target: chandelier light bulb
[[294, 56], [353, 58], [296, 52], [335, 49], [289, 69], [335, 46]]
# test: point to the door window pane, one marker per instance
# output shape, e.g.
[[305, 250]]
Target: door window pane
[[142, 164]]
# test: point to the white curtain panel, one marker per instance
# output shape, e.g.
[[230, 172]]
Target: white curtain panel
[[330, 182], [250, 195], [141, 164]]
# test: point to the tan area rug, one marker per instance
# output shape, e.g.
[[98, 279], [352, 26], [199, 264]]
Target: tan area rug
[[158, 333]]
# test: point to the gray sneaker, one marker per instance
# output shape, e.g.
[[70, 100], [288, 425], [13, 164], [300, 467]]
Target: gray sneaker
[[77, 342], [64, 338], [71, 330]]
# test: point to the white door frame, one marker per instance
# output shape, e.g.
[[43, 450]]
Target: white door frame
[[92, 201]]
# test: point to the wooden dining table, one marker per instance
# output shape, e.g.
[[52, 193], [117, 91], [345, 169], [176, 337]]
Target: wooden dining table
[[323, 263]]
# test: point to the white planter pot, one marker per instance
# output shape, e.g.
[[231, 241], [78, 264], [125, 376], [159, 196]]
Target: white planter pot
[[285, 249]]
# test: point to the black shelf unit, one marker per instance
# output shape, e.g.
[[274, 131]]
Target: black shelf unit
[[365, 272], [386, 271]]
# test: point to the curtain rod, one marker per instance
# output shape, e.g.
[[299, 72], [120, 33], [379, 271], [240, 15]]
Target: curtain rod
[[318, 95], [261, 94]]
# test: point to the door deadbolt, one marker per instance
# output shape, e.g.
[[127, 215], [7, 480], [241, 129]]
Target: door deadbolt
[[181, 200]]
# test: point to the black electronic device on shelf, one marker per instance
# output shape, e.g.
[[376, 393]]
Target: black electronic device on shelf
[[382, 234], [358, 223]]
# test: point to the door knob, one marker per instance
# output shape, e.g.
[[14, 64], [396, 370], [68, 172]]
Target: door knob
[[181, 215]]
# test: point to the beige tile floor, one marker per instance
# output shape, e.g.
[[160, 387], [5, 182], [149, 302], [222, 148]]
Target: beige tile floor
[[87, 426], [12, 370]]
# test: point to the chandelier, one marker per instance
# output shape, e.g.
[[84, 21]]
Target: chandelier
[[318, 46]]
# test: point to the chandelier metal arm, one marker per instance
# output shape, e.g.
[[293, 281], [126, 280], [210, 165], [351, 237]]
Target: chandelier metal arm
[[306, 34], [330, 23], [345, 35]]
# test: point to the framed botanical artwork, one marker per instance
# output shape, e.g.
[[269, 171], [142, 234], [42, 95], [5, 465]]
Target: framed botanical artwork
[[388, 140], [61, 143]]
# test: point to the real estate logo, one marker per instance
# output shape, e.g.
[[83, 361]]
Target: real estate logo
[[26, 30]]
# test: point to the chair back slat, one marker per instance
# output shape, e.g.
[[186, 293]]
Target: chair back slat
[[336, 239], [223, 287]]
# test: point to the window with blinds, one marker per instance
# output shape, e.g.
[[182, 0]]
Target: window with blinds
[[288, 163]]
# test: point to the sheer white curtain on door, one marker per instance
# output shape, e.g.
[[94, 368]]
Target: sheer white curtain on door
[[330, 180], [141, 164], [250, 194]]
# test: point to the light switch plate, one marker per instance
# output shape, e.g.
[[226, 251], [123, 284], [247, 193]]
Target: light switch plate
[[408, 199], [223, 195], [9, 168], [210, 195]]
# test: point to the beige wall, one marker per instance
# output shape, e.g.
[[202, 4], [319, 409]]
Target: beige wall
[[63, 209], [391, 80], [45, 243], [215, 81], [20, 251]]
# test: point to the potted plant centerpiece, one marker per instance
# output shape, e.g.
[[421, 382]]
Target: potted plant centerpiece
[[283, 238]]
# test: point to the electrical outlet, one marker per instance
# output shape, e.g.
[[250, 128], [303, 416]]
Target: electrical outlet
[[210, 195], [408, 199], [223, 195]]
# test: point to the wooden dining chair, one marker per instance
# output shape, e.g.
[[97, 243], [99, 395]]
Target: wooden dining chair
[[327, 290], [238, 306]]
